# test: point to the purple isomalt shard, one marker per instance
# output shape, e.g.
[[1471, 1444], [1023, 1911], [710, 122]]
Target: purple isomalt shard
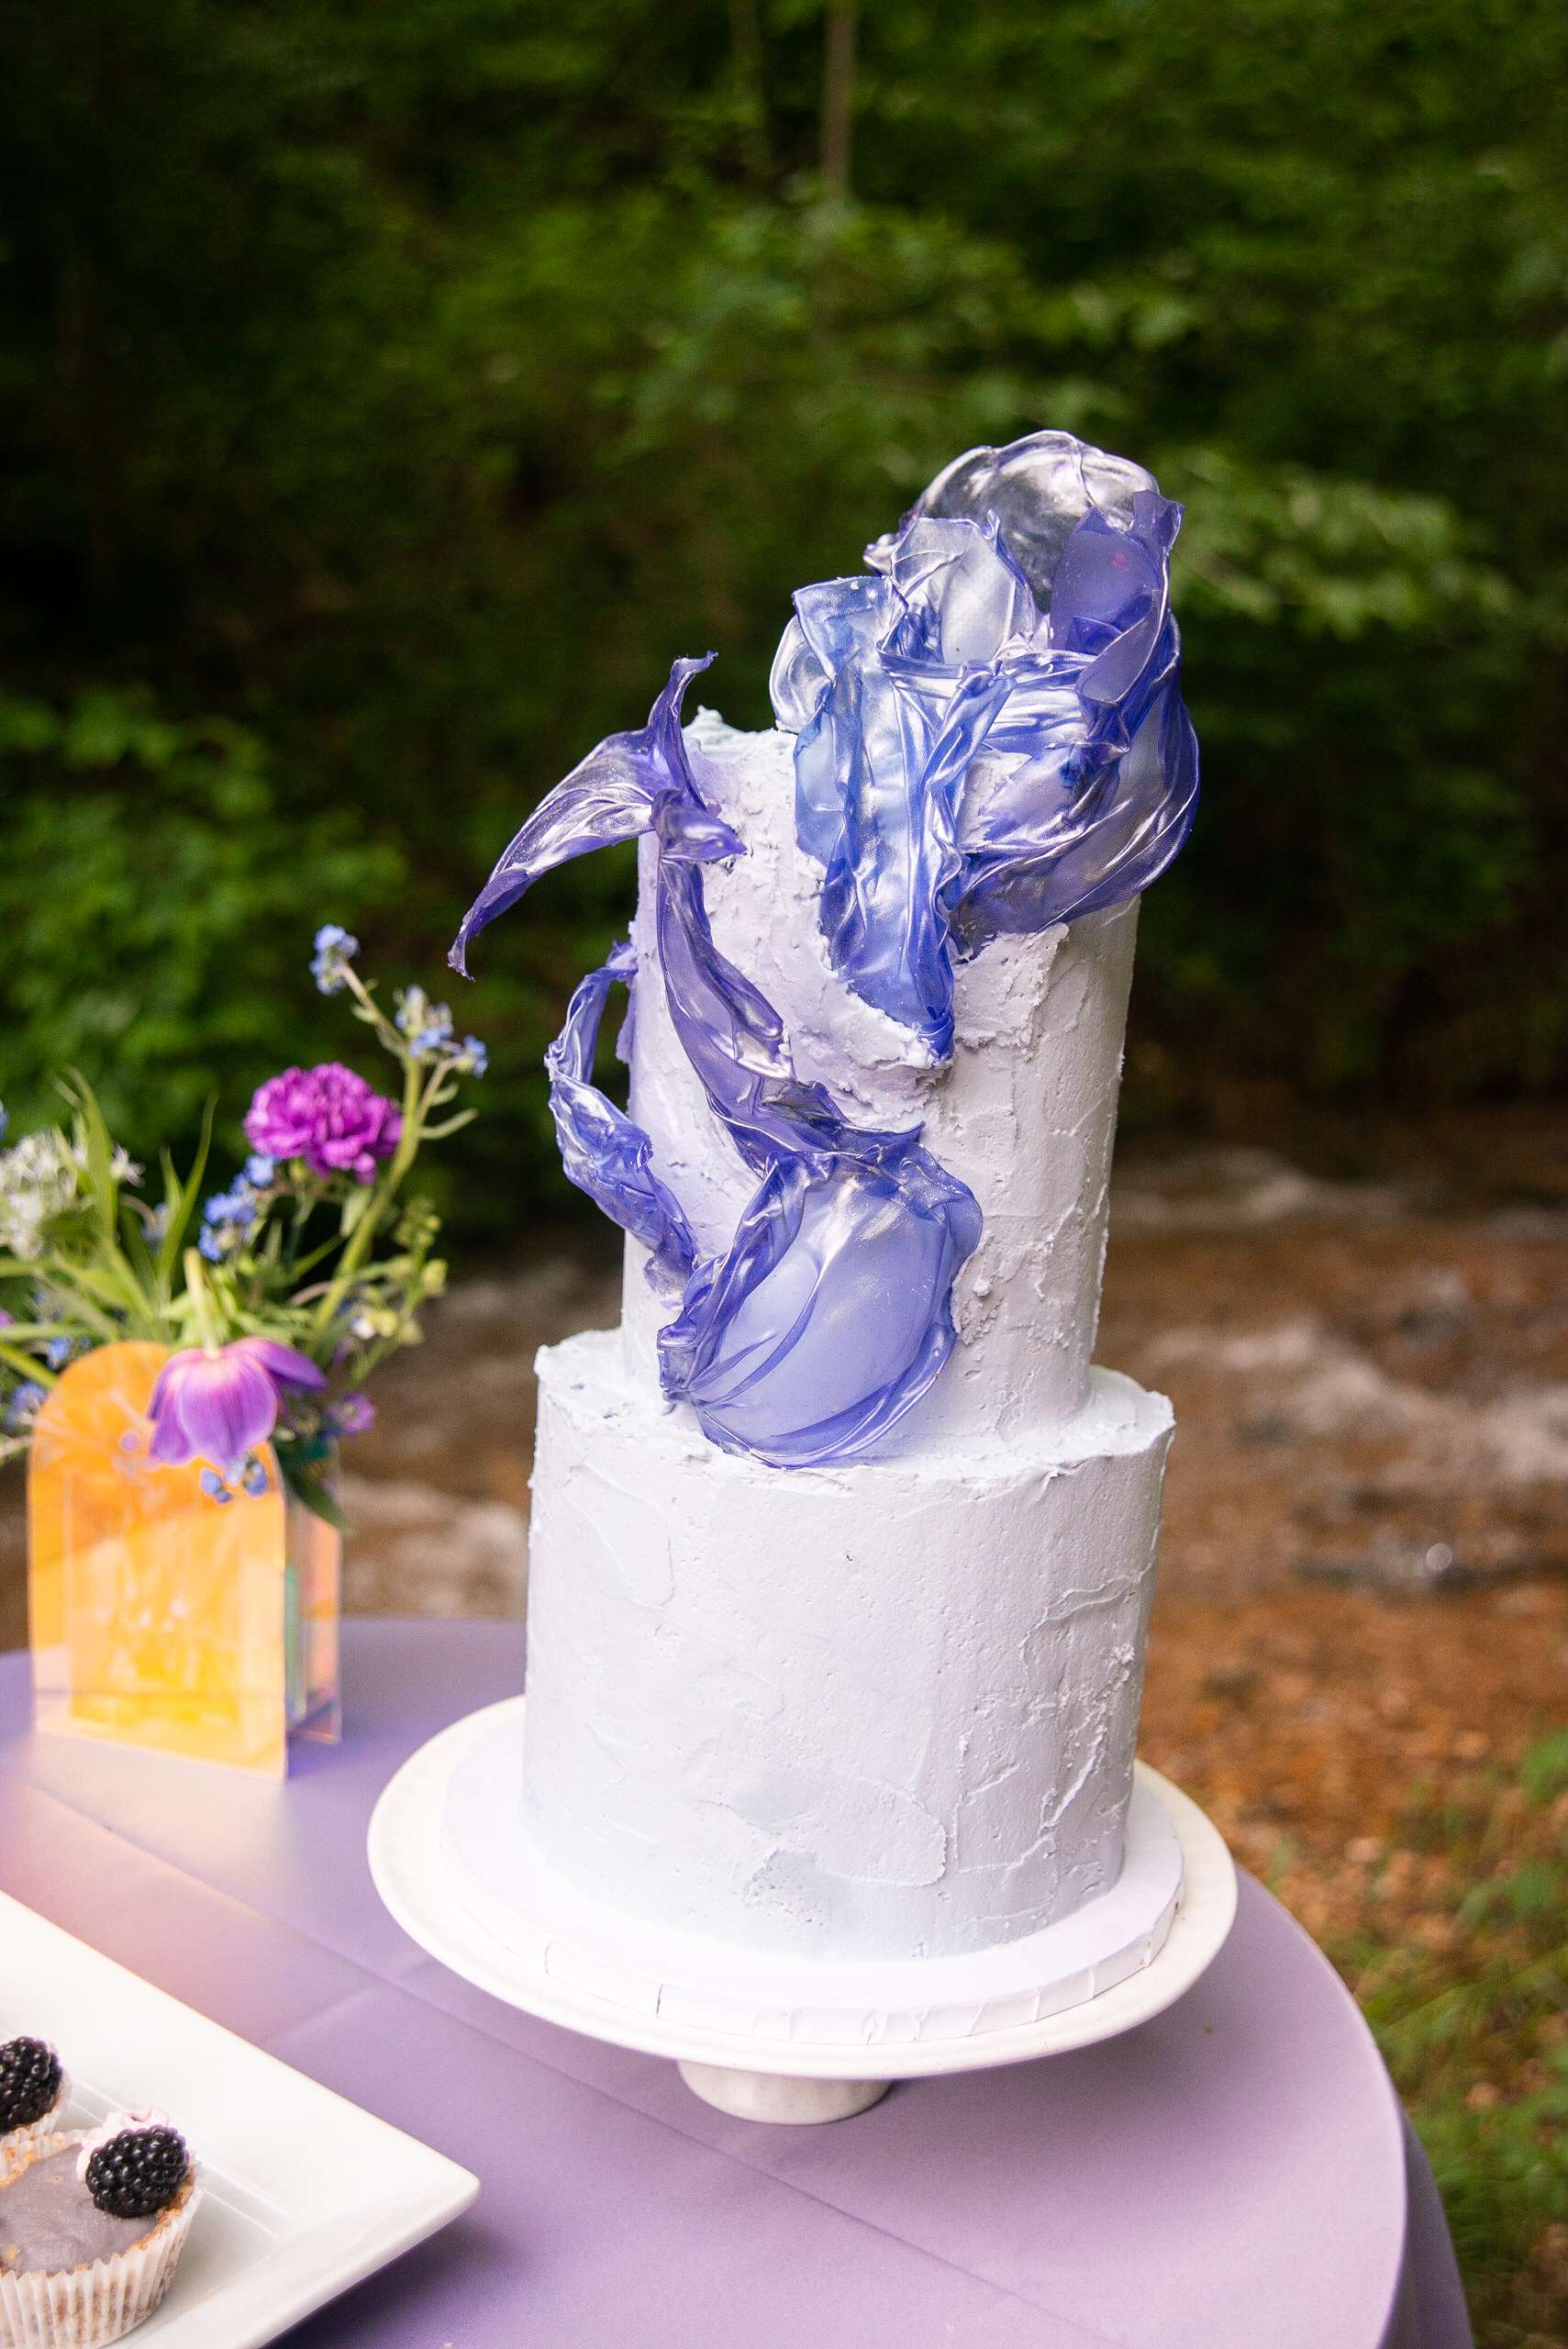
[[989, 729]]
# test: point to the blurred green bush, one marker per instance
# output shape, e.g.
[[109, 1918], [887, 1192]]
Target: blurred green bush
[[151, 898], [409, 384]]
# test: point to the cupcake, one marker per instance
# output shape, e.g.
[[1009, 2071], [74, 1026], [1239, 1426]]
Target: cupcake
[[92, 2227], [33, 2090]]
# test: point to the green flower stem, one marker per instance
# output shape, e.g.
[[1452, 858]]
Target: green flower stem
[[386, 1033], [305, 1207], [308, 1263], [364, 1231], [26, 1365], [201, 1300], [450, 1125]]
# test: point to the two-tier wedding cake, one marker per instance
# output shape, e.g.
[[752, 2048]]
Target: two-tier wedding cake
[[842, 1551]]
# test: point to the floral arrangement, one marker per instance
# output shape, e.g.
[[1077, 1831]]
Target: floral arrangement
[[280, 1293]]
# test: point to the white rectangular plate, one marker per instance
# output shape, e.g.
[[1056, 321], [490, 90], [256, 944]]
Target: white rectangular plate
[[303, 2193]]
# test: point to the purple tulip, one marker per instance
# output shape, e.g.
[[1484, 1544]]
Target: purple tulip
[[219, 1407], [329, 1117]]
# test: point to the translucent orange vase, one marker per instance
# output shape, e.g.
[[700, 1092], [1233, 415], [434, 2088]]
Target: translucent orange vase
[[160, 1616]]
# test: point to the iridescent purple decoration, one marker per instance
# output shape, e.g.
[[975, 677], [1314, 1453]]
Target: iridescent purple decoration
[[990, 739], [990, 735], [603, 1152], [828, 1314]]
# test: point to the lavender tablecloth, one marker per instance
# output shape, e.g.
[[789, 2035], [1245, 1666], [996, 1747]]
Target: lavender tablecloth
[[1234, 2175]]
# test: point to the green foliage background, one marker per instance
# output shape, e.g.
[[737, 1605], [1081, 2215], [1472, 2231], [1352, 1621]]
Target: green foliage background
[[393, 389]]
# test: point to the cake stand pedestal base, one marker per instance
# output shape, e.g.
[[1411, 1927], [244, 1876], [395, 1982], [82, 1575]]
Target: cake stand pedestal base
[[773, 2038], [773, 2095]]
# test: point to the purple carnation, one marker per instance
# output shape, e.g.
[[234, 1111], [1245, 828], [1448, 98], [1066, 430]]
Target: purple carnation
[[327, 1116]]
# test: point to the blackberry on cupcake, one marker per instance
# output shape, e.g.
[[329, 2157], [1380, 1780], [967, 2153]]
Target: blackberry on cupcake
[[32, 2087]]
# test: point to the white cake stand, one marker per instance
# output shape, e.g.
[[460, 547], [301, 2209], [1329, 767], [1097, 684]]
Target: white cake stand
[[774, 2038]]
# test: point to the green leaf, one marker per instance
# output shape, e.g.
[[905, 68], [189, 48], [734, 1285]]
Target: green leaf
[[307, 1483], [356, 1206], [98, 1150], [181, 1201]]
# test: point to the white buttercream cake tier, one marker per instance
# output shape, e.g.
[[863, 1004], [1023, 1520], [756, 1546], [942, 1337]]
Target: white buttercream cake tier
[[882, 1709], [490, 1884]]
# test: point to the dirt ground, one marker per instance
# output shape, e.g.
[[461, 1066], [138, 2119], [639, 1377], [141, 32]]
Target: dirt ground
[[1362, 1581]]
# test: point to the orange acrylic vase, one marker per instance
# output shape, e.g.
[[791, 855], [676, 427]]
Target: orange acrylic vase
[[161, 1617]]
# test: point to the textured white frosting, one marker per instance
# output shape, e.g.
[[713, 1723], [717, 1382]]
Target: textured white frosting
[[883, 1709], [490, 1868], [1025, 1112]]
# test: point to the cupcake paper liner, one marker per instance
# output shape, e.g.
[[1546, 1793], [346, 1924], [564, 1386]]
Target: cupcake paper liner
[[13, 2143], [84, 2308]]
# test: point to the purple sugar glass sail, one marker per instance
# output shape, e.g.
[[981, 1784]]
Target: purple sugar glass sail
[[829, 1315], [1088, 822], [1038, 488], [609, 796], [990, 735], [601, 1149], [894, 686]]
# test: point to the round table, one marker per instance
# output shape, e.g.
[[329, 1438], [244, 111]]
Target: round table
[[1236, 2172]]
